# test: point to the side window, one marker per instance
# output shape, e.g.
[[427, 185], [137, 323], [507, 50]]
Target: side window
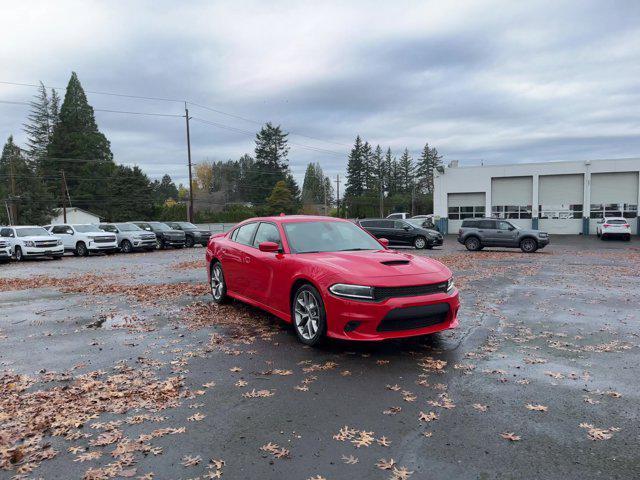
[[399, 225], [59, 229], [245, 233], [144, 226], [504, 225], [387, 224], [267, 232], [234, 234], [487, 224], [109, 228], [367, 224]]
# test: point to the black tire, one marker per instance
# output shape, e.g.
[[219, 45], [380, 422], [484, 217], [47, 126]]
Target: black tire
[[189, 242], [419, 243], [18, 254], [318, 336], [219, 295], [598, 234], [473, 244], [126, 246], [179, 246], [82, 250], [528, 245]]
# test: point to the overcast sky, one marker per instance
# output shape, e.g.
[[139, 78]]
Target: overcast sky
[[498, 81]]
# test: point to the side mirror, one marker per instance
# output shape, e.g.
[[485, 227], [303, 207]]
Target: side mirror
[[512, 228], [269, 247], [384, 242], [406, 228]]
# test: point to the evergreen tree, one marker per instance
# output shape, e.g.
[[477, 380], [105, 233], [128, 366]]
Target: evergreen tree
[[280, 200], [54, 110], [132, 194], [379, 170], [355, 171], [392, 173], [21, 186], [271, 164], [81, 150], [39, 125], [315, 184], [406, 172], [368, 169], [164, 190], [427, 163]]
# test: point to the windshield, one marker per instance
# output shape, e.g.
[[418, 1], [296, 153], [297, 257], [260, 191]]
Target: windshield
[[128, 227], [187, 225], [86, 228], [308, 237], [160, 226], [32, 232]]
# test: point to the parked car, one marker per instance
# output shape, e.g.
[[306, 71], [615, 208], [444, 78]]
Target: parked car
[[477, 233], [328, 277], [613, 227], [401, 232], [130, 237], [165, 235], [193, 234], [31, 241], [399, 215], [427, 219], [422, 222], [83, 239], [5, 251]]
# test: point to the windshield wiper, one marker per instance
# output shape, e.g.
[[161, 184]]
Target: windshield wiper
[[310, 251], [354, 249]]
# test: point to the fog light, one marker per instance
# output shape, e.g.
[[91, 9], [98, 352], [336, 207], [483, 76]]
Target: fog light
[[351, 326]]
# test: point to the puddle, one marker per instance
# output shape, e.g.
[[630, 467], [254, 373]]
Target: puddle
[[113, 321]]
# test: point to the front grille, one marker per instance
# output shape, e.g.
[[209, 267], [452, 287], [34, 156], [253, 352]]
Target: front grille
[[382, 293], [46, 243], [148, 237], [104, 239], [3, 244], [412, 318]]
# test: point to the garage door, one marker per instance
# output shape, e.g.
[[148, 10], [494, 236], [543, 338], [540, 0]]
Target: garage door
[[464, 205], [511, 197], [615, 195], [561, 198]]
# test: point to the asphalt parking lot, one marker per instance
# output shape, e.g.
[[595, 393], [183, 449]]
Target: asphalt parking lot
[[120, 366]]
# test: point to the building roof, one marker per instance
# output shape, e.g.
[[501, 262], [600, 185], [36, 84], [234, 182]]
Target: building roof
[[77, 209]]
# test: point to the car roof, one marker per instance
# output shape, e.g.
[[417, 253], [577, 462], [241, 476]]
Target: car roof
[[23, 226], [295, 219]]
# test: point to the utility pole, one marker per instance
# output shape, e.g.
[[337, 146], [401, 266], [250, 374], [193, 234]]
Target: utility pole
[[65, 195], [190, 209], [338, 193], [13, 216]]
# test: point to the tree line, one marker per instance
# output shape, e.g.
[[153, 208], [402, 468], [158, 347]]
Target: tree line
[[68, 161]]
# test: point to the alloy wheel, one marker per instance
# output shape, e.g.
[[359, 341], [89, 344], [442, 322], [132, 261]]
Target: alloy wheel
[[18, 254], [528, 245], [419, 243], [217, 283], [307, 314]]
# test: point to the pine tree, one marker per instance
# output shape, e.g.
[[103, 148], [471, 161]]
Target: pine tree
[[405, 166], [379, 170], [164, 190], [271, 164], [54, 110], [392, 173], [355, 171], [20, 185], [280, 200], [316, 185], [368, 168], [76, 137], [39, 125], [124, 183], [429, 160]]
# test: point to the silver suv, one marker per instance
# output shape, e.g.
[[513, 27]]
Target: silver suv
[[477, 233], [131, 237]]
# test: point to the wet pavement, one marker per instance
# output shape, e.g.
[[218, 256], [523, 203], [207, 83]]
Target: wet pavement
[[119, 366]]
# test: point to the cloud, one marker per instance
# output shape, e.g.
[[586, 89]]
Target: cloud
[[499, 81]]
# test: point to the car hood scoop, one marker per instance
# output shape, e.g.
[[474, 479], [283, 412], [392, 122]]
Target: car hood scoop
[[395, 262]]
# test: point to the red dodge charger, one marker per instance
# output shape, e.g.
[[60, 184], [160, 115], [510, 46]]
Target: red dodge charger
[[329, 277]]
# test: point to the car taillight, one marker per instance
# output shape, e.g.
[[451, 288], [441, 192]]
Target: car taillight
[[626, 225], [606, 225]]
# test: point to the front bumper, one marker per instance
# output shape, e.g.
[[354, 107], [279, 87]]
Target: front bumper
[[103, 247], [173, 242], [5, 254], [435, 241], [391, 318], [543, 242], [42, 252], [138, 243]]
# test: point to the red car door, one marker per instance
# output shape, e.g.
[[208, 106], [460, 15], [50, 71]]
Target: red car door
[[264, 267], [236, 261]]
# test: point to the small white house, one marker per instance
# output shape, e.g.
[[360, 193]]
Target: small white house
[[74, 215], [559, 197]]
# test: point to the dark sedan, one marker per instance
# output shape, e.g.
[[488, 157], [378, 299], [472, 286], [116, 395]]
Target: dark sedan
[[194, 235], [401, 232]]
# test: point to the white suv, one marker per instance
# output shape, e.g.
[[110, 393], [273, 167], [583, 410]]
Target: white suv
[[5, 251], [614, 227], [31, 241], [84, 239]]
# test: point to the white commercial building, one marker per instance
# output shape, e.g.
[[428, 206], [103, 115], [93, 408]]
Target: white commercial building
[[558, 197]]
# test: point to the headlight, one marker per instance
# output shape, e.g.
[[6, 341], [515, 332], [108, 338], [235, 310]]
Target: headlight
[[352, 291], [450, 285], [29, 243], [59, 242]]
